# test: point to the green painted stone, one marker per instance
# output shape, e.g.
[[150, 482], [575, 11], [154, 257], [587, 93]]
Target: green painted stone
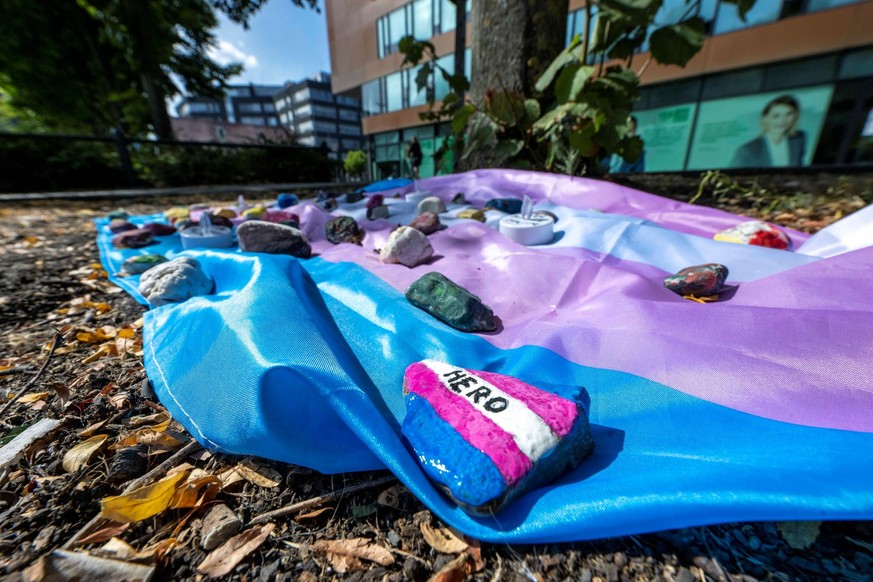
[[451, 303]]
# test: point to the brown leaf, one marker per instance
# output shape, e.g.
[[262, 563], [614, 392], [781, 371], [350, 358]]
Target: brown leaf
[[80, 455], [64, 565], [455, 571], [196, 492], [443, 540], [223, 559], [358, 548], [799, 534], [312, 514], [391, 496], [257, 474], [103, 534]]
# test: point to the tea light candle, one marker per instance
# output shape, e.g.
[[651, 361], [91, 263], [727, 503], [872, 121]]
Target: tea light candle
[[206, 235], [536, 229]]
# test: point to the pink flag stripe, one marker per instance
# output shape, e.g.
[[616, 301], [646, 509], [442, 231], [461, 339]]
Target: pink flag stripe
[[556, 411], [472, 425]]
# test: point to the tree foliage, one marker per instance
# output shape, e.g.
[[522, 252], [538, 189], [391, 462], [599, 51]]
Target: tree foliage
[[579, 108], [355, 163], [98, 64]]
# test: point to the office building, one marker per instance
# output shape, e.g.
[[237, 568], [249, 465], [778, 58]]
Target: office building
[[317, 117], [245, 104], [811, 56]]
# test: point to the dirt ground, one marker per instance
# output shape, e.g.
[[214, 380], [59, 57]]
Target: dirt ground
[[70, 350]]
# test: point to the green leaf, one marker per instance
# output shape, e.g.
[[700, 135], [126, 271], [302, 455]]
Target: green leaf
[[458, 83], [459, 123], [507, 108], [531, 111], [677, 44], [508, 148], [582, 140], [568, 55], [422, 76], [482, 134], [406, 43], [743, 6], [571, 82]]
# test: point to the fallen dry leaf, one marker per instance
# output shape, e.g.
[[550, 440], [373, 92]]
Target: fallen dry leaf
[[442, 539], [258, 474], [223, 559], [33, 397], [91, 429], [104, 351], [455, 571], [799, 534], [103, 534], [312, 514], [81, 454], [391, 496], [118, 549], [142, 503], [344, 554], [195, 492], [64, 565]]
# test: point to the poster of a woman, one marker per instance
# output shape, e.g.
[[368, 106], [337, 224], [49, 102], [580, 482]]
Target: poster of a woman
[[780, 143]]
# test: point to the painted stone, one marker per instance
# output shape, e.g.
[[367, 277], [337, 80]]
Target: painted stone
[[160, 228], [322, 197], [426, 222], [431, 204], [330, 204], [377, 212], [472, 213], [406, 246], [282, 217], [701, 280], [353, 197], [755, 232], [459, 198], [117, 225], [176, 213], [133, 239], [254, 212], [486, 438], [142, 263], [375, 200], [286, 200], [225, 213], [343, 229], [258, 236], [449, 302], [174, 282], [119, 213], [508, 205]]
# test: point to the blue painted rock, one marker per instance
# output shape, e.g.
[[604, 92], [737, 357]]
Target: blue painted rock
[[375, 200], [343, 229], [406, 246], [174, 281], [142, 263], [133, 239], [426, 222], [431, 204], [286, 200], [451, 303], [486, 438], [258, 236], [459, 198], [508, 205], [755, 232], [117, 225], [282, 217], [353, 197], [119, 213], [377, 212], [160, 228], [702, 280]]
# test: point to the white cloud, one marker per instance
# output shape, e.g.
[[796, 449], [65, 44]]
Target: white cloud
[[226, 53]]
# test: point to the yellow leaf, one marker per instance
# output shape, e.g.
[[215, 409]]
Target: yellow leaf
[[258, 475], [195, 493], [442, 540], [230, 477], [80, 455], [141, 503], [126, 333], [33, 397], [105, 350]]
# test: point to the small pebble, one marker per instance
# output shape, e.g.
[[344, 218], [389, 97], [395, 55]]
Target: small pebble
[[432, 204], [426, 222], [219, 525]]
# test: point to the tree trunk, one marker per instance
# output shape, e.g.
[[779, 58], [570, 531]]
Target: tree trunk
[[157, 107], [514, 41]]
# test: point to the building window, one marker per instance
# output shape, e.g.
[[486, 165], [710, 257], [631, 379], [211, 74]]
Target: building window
[[305, 111], [324, 111], [343, 100], [418, 96], [728, 16], [249, 107], [374, 99], [304, 127], [252, 120], [349, 130], [269, 107], [309, 140], [321, 95], [348, 115], [394, 91], [301, 95], [814, 5], [422, 19], [272, 121]]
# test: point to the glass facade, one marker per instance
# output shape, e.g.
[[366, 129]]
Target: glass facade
[[420, 18]]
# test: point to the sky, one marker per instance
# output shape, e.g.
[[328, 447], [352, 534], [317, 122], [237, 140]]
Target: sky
[[283, 43]]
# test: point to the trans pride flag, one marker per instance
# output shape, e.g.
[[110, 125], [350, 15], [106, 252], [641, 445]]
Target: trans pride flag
[[757, 407]]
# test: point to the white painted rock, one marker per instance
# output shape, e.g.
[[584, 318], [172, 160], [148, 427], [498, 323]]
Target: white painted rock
[[432, 204], [174, 281], [407, 246]]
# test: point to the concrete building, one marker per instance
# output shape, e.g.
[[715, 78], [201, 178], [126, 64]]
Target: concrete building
[[245, 104], [309, 110], [814, 55]]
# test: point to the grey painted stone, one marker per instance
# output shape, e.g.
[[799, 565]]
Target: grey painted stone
[[432, 204], [259, 236], [406, 246], [451, 303], [377, 212], [219, 525], [174, 281]]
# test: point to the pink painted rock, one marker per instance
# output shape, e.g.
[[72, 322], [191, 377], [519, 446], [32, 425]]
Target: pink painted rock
[[426, 222], [487, 438], [375, 200], [133, 239], [282, 217]]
